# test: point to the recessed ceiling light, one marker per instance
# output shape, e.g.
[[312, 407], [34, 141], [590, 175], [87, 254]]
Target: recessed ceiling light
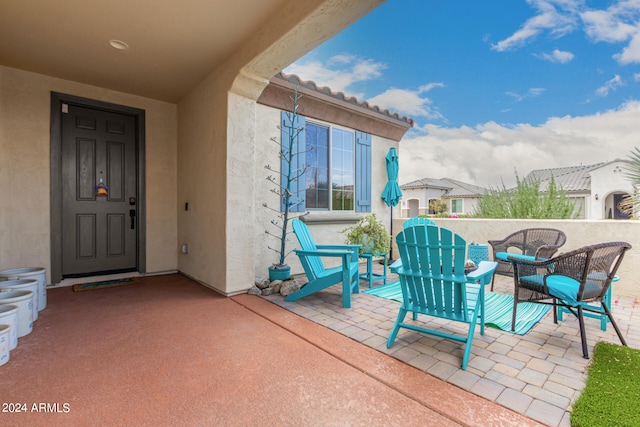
[[118, 44]]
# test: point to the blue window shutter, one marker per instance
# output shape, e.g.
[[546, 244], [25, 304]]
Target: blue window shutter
[[363, 172], [297, 187]]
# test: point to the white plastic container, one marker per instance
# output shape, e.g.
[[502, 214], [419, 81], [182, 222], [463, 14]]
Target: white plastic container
[[36, 273], [9, 316], [24, 285], [5, 330], [24, 301]]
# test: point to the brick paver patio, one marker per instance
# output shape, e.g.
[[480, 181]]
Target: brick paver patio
[[539, 374]]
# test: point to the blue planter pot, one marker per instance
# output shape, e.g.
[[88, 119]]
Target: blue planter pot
[[478, 253], [279, 273]]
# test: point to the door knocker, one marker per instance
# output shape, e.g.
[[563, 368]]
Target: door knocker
[[101, 189]]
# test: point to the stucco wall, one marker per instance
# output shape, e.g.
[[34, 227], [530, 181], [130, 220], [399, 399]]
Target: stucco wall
[[605, 181], [469, 205], [25, 233], [267, 121], [218, 142], [579, 233], [202, 181]]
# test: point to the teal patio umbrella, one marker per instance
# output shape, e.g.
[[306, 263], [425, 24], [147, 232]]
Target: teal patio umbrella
[[392, 193]]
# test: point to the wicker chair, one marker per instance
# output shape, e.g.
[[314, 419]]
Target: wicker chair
[[573, 280], [530, 243]]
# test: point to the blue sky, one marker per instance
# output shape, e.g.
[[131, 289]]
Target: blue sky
[[499, 80]]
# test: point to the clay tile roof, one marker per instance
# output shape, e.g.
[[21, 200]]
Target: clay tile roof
[[340, 96], [570, 179], [452, 187]]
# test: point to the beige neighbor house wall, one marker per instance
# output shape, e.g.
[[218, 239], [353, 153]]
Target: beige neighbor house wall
[[25, 110], [267, 121], [605, 182], [469, 205], [579, 233]]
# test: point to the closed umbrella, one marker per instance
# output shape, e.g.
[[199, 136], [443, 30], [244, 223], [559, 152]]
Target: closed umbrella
[[392, 193]]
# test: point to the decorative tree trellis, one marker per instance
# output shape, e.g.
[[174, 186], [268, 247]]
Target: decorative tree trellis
[[286, 181]]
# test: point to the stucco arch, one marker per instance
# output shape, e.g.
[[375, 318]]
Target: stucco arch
[[217, 139], [610, 202], [413, 207]]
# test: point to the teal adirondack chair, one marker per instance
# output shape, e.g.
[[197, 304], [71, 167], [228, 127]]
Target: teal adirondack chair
[[433, 282], [417, 220], [320, 277]]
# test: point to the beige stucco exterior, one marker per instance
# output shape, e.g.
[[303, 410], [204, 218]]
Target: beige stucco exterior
[[200, 150], [267, 121], [606, 181], [579, 233], [25, 170], [415, 200]]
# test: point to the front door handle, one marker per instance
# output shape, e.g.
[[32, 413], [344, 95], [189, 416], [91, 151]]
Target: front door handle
[[132, 214]]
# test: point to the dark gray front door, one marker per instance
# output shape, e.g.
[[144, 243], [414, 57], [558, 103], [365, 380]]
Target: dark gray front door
[[99, 232]]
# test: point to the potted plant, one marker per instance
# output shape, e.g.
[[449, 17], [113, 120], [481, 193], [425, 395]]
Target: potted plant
[[371, 234], [283, 180]]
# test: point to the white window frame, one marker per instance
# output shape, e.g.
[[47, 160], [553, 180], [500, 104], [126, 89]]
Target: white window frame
[[461, 206], [331, 127]]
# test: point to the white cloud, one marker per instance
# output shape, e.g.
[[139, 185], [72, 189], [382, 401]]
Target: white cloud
[[429, 86], [531, 93], [606, 26], [340, 72], [616, 24], [559, 56], [555, 16], [342, 58], [609, 85], [631, 53], [408, 102], [343, 70], [488, 154]]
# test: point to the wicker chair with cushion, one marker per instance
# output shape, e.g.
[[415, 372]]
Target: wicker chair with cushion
[[530, 243], [574, 280]]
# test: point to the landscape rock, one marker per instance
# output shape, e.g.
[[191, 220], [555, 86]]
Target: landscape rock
[[254, 291], [276, 285], [262, 284], [289, 287]]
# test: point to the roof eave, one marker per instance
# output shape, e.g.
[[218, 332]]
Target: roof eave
[[323, 104]]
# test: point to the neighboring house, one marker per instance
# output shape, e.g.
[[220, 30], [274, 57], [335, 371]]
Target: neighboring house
[[460, 197], [344, 145], [596, 189], [177, 117]]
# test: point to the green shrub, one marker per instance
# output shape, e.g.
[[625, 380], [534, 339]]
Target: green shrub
[[526, 202], [369, 232]]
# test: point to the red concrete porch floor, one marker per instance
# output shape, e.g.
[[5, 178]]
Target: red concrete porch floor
[[170, 352]]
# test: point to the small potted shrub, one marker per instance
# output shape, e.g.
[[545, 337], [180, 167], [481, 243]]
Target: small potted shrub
[[371, 234]]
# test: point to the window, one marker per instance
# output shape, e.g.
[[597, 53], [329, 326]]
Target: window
[[317, 173], [456, 206], [342, 170], [337, 164]]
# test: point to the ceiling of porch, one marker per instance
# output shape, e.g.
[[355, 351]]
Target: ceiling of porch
[[172, 45]]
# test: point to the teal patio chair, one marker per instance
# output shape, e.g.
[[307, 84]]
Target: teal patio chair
[[529, 244], [320, 277], [573, 280], [433, 283]]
